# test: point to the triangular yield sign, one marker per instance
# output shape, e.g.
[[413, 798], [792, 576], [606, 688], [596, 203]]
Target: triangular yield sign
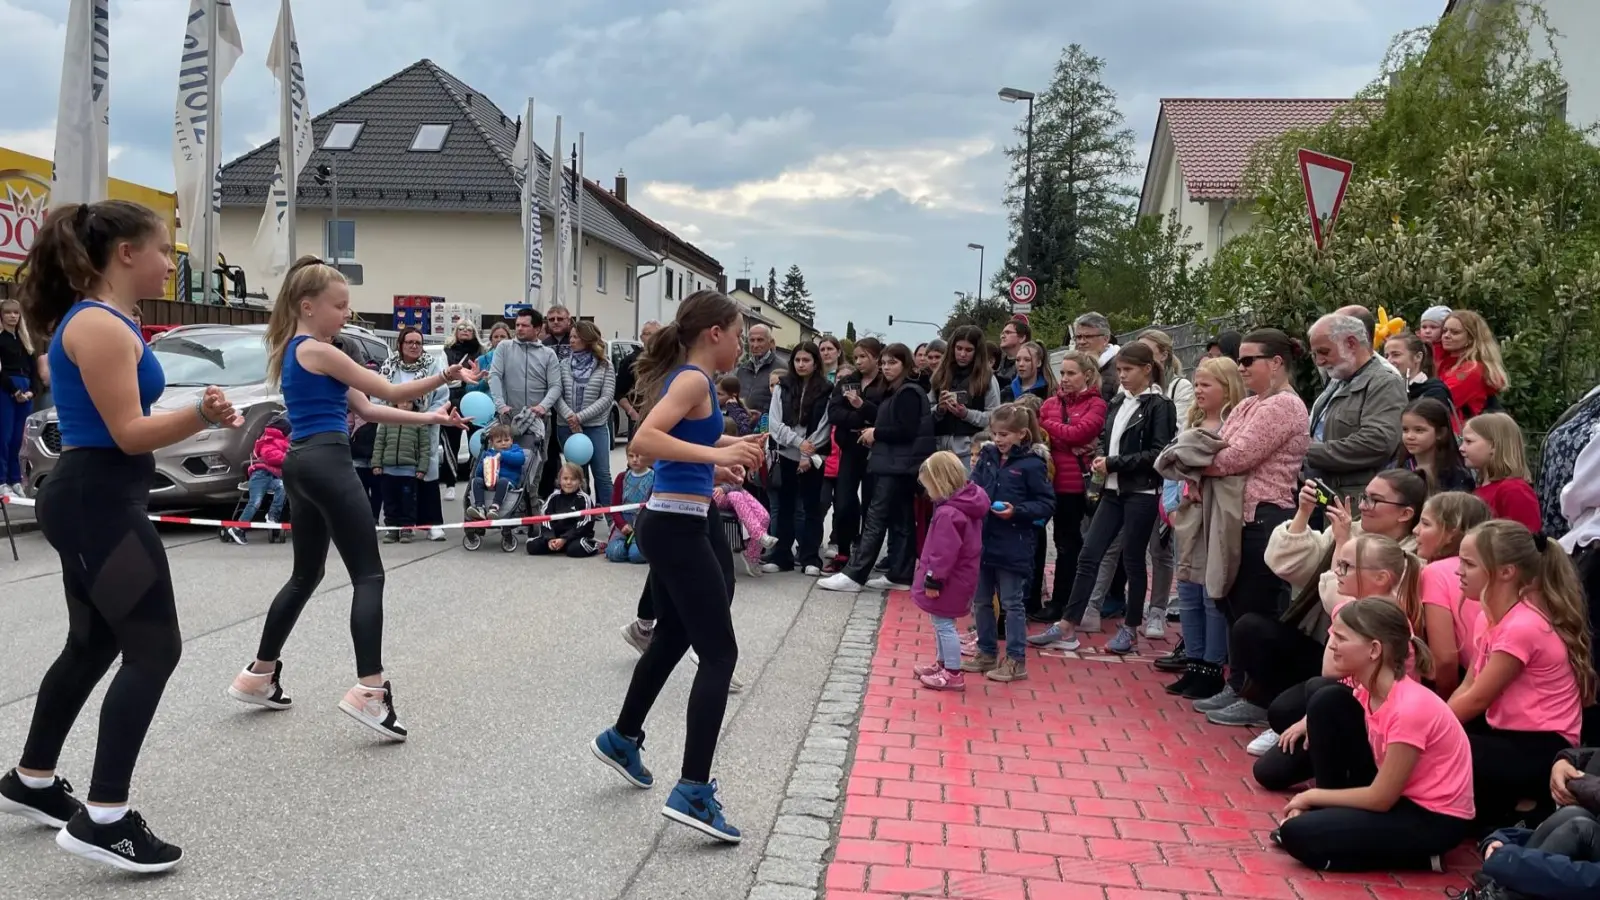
[[1325, 179]]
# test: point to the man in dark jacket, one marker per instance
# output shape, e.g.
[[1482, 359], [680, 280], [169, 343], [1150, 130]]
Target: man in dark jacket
[[755, 370], [1091, 333], [854, 406]]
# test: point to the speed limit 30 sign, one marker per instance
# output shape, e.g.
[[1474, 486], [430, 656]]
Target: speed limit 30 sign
[[1023, 290]]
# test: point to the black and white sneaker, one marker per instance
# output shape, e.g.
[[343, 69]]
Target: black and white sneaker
[[374, 708], [51, 806], [127, 844]]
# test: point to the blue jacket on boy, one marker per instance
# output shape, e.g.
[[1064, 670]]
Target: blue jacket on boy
[[512, 459], [1021, 479]]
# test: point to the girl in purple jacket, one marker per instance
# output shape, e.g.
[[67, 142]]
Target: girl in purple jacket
[[947, 572]]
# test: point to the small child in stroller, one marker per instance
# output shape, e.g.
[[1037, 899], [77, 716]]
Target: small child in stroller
[[265, 477], [503, 456]]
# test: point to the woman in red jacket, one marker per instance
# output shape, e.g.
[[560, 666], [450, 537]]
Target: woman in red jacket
[[1469, 364], [1073, 419]]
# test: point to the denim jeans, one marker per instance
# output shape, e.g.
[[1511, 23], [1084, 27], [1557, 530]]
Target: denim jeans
[[502, 487], [949, 642], [13, 422], [623, 549], [1013, 588], [262, 481], [1205, 628], [599, 464], [400, 498]]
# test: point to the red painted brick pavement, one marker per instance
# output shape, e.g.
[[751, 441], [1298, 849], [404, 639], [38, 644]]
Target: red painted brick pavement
[[1084, 782]]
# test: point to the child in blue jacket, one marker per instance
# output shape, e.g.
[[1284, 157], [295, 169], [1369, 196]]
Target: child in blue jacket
[[498, 444], [1017, 481]]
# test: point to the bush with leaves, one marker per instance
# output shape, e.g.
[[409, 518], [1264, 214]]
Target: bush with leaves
[[1470, 191]]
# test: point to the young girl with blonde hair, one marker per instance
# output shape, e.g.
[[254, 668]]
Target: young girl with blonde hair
[[1492, 444], [947, 570]]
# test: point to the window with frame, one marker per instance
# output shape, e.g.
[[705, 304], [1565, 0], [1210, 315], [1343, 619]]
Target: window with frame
[[341, 239], [430, 138], [342, 135], [669, 284], [630, 275], [573, 262], [600, 274]]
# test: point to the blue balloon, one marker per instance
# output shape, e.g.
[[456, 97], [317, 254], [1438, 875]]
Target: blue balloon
[[475, 444], [578, 449], [478, 407]]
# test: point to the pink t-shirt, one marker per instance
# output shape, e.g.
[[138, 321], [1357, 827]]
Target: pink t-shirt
[[1417, 717], [1441, 586], [1544, 695]]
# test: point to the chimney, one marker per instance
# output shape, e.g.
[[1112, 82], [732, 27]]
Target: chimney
[[621, 190], [742, 284], [759, 292]]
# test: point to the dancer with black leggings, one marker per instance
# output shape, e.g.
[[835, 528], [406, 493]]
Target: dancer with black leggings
[[682, 431], [88, 268], [320, 386]]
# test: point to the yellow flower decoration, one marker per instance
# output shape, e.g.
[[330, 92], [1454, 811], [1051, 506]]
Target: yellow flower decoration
[[1387, 328]]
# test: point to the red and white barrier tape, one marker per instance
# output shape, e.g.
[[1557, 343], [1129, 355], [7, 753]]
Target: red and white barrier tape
[[274, 526]]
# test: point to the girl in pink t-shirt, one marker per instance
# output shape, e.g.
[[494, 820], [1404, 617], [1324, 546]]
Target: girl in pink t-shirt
[[1448, 617], [1530, 674], [1392, 764]]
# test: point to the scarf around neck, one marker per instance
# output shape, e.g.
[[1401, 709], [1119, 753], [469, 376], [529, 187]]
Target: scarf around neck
[[395, 364]]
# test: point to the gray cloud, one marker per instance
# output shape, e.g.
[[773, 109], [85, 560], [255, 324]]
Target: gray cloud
[[859, 138]]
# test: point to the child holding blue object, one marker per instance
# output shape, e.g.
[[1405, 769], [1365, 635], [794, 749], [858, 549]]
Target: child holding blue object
[[500, 446], [1017, 482], [632, 486]]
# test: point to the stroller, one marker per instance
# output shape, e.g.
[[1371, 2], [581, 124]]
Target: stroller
[[512, 508]]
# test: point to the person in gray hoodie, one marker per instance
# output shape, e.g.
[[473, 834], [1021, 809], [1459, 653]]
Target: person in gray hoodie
[[525, 382]]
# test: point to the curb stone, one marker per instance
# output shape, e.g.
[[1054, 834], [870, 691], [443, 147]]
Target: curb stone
[[794, 860]]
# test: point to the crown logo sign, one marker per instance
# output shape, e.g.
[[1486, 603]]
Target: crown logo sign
[[26, 203]]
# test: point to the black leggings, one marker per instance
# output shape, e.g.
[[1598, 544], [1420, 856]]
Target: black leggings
[[329, 505], [847, 499], [1509, 767], [1256, 588], [1357, 840], [691, 610], [799, 500], [92, 510], [1070, 509], [891, 519], [1134, 517], [1271, 656], [1276, 770]]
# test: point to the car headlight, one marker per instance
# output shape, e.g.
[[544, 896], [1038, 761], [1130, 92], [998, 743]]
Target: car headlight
[[35, 424]]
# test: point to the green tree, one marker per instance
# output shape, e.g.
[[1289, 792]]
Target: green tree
[[1083, 159], [988, 313], [793, 297], [850, 331], [772, 285], [1146, 273], [1470, 191]]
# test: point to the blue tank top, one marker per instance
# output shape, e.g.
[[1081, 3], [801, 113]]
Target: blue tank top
[[79, 421], [315, 404], [674, 477]]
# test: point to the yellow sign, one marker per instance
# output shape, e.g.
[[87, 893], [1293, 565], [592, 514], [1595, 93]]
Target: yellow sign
[[25, 197]]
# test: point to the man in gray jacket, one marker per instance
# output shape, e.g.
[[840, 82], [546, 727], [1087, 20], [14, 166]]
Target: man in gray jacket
[[525, 382], [1355, 424]]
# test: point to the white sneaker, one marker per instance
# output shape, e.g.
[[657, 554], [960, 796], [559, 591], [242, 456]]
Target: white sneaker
[[750, 567], [435, 533], [768, 541], [1155, 626], [449, 493], [770, 568], [1091, 619], [18, 491], [813, 571], [5, 491], [1264, 741], [882, 583], [840, 582]]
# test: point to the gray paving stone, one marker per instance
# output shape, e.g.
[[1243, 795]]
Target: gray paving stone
[[788, 871], [781, 892], [818, 773], [817, 790], [800, 849], [803, 826], [808, 806]]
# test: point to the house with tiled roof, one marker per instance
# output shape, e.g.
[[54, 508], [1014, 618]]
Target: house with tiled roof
[[428, 204], [1200, 156], [1573, 23], [684, 267]]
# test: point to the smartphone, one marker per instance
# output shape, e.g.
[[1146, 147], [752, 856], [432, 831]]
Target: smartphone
[[1325, 494]]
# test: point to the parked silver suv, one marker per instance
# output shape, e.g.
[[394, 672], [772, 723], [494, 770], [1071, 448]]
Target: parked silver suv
[[208, 467]]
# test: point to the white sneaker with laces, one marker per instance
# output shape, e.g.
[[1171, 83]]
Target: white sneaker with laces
[[839, 582], [1264, 741], [750, 566], [449, 493], [770, 568], [768, 541], [813, 571], [882, 583], [1156, 625], [436, 533]]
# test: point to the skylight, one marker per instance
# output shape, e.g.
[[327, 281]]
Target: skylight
[[430, 138], [342, 136]]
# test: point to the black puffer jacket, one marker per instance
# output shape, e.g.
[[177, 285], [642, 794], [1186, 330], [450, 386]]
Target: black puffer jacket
[[903, 435], [847, 419]]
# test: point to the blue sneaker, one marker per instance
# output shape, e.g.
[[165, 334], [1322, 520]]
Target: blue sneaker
[[697, 806], [622, 754], [1122, 641]]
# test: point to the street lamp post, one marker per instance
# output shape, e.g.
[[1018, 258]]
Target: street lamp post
[[1012, 95], [979, 248]]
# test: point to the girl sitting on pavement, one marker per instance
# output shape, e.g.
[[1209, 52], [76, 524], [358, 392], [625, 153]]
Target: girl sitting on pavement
[[947, 571], [1449, 617], [632, 486], [571, 536], [1392, 765]]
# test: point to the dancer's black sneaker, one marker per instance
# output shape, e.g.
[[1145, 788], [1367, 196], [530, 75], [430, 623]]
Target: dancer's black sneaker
[[128, 843], [51, 806]]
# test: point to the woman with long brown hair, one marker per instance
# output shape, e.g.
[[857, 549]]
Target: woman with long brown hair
[[964, 391], [588, 387]]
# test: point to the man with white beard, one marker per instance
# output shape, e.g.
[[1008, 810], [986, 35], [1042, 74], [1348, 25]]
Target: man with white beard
[[1355, 424]]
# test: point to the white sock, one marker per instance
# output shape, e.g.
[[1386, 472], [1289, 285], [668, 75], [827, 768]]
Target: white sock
[[105, 815], [35, 782]]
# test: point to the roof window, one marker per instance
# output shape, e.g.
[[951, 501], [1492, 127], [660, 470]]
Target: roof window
[[430, 138], [342, 136]]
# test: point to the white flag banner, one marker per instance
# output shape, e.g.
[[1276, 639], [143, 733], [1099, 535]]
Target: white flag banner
[[577, 192], [273, 238], [195, 125], [81, 167], [525, 160], [558, 203]]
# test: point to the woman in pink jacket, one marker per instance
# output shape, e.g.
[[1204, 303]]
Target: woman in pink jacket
[[1073, 419], [266, 477]]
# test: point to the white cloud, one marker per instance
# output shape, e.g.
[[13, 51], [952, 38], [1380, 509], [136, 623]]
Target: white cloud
[[930, 177], [720, 137], [41, 142]]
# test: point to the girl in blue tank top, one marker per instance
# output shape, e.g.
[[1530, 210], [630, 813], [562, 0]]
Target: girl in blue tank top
[[326, 500], [83, 279], [680, 530]]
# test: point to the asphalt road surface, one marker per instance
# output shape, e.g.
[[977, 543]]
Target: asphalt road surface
[[504, 667]]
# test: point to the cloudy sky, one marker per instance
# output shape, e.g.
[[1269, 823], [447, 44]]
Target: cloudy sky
[[861, 139]]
